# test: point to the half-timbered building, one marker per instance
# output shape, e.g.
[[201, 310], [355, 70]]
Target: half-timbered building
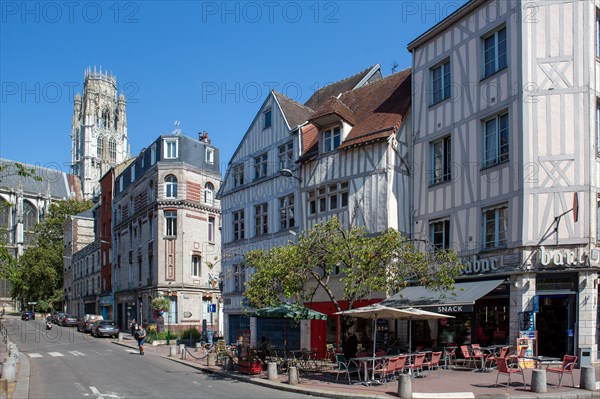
[[506, 167]]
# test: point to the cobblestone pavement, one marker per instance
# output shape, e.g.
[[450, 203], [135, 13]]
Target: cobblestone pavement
[[457, 383]]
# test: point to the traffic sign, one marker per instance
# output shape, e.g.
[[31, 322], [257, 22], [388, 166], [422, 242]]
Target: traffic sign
[[212, 308]]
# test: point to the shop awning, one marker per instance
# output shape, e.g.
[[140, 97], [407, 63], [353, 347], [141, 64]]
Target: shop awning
[[461, 299]]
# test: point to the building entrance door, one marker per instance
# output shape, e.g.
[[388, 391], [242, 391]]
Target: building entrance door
[[555, 323]]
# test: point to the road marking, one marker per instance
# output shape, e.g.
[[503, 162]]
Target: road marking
[[76, 353], [35, 355], [422, 395], [99, 395], [55, 354], [131, 351]]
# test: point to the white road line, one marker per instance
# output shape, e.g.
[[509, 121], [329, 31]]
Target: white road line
[[423, 395], [76, 353], [55, 354], [99, 395], [35, 355], [131, 351]]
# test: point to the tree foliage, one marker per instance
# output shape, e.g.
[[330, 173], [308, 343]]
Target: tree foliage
[[365, 265], [38, 274]]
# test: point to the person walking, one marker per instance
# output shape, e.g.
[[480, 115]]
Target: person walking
[[140, 335]]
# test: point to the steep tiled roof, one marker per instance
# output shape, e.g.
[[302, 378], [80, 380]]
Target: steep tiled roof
[[294, 112], [53, 182], [334, 106], [341, 86], [378, 108]]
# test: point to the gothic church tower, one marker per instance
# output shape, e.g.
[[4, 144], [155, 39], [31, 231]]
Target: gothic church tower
[[99, 130]]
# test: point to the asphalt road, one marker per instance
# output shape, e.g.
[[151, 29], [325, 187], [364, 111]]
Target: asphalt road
[[68, 364]]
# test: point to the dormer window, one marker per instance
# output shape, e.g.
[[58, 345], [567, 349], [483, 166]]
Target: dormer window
[[210, 155], [171, 149], [331, 138]]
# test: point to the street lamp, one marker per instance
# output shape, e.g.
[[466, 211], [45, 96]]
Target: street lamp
[[288, 173]]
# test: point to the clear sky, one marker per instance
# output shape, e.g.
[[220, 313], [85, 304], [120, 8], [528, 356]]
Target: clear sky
[[208, 64]]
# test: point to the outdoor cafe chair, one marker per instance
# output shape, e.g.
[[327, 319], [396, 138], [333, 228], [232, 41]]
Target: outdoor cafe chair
[[518, 356], [567, 366], [346, 367], [449, 354], [434, 362], [503, 352], [466, 354], [390, 367], [504, 368], [417, 364]]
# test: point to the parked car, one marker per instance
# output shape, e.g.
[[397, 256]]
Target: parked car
[[27, 315], [56, 317], [69, 320], [105, 328], [85, 323]]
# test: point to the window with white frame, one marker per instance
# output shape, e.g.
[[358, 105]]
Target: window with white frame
[[170, 223], [286, 212], [196, 266], [239, 277], [261, 219], [211, 229], [238, 175], [170, 148], [494, 52], [209, 190], [210, 155], [495, 140], [286, 155], [332, 197], [495, 227], [440, 82], [170, 186], [260, 166], [238, 225], [441, 152], [331, 138], [439, 234], [267, 116], [153, 154]]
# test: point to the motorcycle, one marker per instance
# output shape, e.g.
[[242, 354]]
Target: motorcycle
[[48, 325]]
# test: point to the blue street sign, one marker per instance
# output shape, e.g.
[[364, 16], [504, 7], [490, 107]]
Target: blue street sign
[[212, 308]]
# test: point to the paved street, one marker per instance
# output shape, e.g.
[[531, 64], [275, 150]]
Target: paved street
[[68, 364]]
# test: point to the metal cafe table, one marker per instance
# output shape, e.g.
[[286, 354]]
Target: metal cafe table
[[541, 360]]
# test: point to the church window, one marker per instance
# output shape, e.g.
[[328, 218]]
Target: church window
[[29, 216], [100, 148], [171, 186], [112, 149], [106, 119]]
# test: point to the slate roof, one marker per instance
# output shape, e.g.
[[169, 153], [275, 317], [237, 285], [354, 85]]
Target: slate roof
[[378, 108], [294, 112], [57, 184], [336, 88]]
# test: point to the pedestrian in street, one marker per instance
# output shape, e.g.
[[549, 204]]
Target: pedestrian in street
[[140, 336], [133, 326]]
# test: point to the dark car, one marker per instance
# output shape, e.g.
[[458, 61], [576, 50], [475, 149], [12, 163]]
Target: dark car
[[69, 320], [105, 328], [56, 316], [27, 315], [85, 323]]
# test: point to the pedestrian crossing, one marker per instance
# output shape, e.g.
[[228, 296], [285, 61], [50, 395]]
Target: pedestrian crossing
[[36, 355]]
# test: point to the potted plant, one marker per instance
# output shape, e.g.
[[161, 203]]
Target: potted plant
[[161, 304], [248, 360]]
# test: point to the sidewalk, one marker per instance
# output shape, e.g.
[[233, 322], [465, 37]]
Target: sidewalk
[[449, 384]]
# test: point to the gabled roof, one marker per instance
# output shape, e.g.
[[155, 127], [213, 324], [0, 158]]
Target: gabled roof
[[378, 108], [335, 89], [333, 105], [294, 112]]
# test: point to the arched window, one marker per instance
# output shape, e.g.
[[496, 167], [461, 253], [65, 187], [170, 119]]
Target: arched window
[[5, 210], [171, 186], [112, 149], [29, 216], [100, 146], [208, 193], [105, 118]]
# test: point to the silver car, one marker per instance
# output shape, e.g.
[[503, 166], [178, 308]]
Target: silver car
[[105, 328]]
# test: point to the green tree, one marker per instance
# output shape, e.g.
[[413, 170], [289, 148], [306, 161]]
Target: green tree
[[38, 273], [364, 263]]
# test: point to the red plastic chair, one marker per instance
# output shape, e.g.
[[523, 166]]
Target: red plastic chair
[[434, 363], [466, 354], [568, 364], [503, 353], [508, 371], [417, 364]]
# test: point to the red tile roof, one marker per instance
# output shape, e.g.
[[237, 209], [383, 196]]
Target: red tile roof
[[378, 109]]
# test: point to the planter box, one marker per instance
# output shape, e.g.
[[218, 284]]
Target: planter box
[[249, 367]]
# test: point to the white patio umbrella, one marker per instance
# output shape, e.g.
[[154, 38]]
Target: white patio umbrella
[[377, 311]]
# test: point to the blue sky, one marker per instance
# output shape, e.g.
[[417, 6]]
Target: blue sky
[[208, 64]]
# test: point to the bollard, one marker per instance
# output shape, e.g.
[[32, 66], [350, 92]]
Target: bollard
[[293, 375], [272, 371], [181, 349], [172, 351], [211, 359], [9, 369], [183, 352], [405, 386], [228, 363], [198, 345], [587, 378], [538, 381], [120, 339]]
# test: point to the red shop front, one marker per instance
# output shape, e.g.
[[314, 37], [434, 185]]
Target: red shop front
[[323, 332]]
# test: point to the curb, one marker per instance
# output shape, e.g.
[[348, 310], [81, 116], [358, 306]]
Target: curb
[[22, 387], [580, 394]]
